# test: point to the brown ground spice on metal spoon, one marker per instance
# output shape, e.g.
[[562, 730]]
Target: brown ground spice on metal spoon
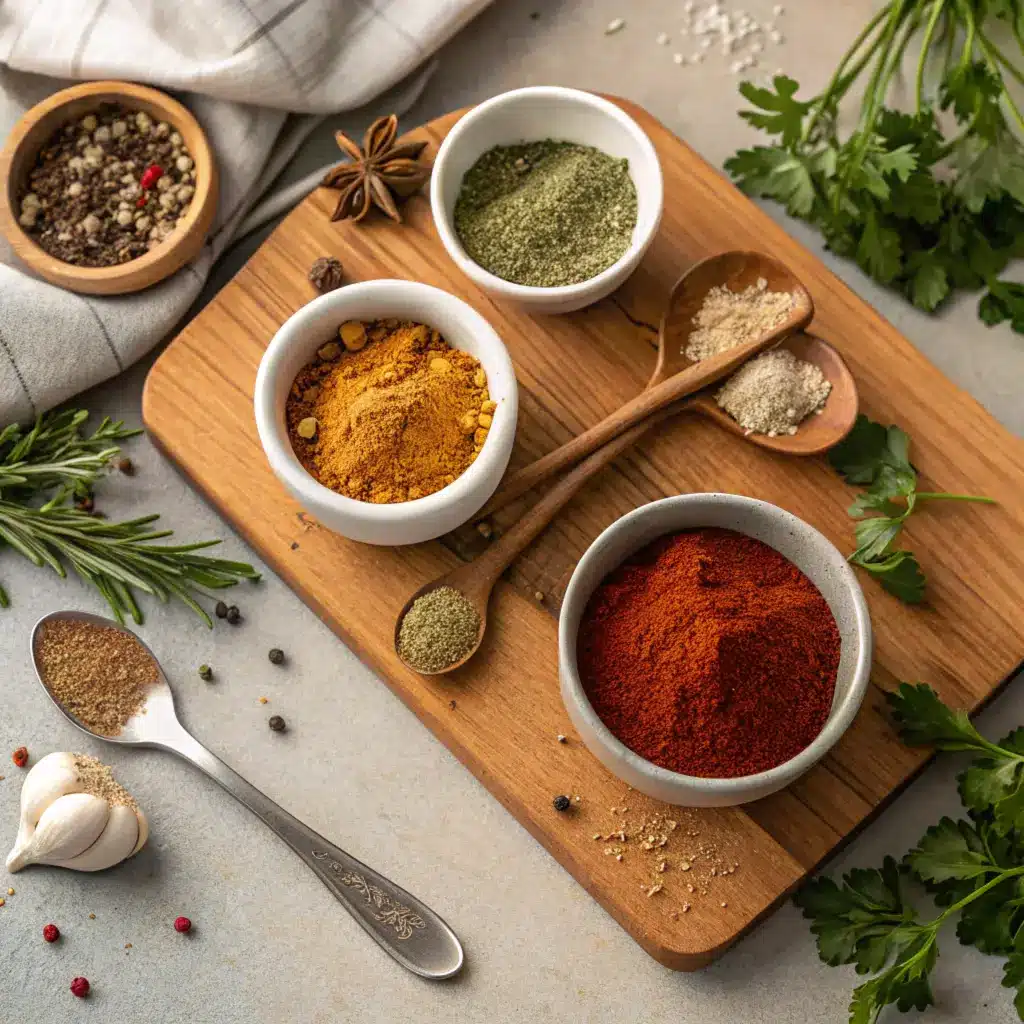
[[100, 674]]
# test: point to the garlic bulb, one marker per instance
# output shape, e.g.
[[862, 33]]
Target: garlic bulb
[[74, 815]]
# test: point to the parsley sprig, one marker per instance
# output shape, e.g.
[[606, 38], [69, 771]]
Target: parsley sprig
[[973, 868], [922, 211], [42, 468], [878, 458]]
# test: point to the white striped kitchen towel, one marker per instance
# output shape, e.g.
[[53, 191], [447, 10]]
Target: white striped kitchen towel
[[241, 66]]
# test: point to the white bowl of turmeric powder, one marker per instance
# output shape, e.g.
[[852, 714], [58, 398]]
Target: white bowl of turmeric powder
[[379, 517]]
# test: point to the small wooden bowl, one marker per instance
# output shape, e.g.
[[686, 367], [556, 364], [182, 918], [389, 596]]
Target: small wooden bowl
[[30, 134]]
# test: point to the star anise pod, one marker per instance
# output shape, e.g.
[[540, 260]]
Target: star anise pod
[[378, 172]]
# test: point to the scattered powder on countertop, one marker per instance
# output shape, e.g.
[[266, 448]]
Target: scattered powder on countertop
[[100, 674], [439, 629], [727, 318], [774, 393], [98, 779]]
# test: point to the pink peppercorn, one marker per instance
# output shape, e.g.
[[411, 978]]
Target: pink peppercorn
[[182, 924], [150, 176], [51, 932], [80, 987]]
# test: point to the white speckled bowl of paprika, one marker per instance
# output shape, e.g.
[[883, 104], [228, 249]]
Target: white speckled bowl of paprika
[[800, 544]]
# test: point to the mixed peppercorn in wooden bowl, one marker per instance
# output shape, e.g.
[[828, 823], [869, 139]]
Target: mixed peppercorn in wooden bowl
[[109, 187]]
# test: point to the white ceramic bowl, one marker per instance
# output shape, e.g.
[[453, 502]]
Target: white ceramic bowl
[[807, 549], [296, 342], [530, 115]]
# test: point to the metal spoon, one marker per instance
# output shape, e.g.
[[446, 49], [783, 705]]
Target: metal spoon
[[398, 922], [817, 433], [675, 375]]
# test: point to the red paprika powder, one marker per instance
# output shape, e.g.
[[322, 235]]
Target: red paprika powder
[[709, 653]]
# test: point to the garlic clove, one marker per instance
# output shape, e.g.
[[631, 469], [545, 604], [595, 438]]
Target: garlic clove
[[116, 842], [68, 827], [51, 777], [143, 832]]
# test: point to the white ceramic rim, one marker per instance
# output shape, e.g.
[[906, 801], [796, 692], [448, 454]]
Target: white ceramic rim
[[839, 719], [523, 292], [273, 433]]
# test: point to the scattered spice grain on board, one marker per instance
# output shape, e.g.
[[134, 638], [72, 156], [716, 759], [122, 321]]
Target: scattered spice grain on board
[[546, 213], [729, 318], [388, 413], [100, 674], [107, 188], [440, 629]]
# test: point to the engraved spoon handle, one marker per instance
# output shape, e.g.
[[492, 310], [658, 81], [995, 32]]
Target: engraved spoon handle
[[399, 923]]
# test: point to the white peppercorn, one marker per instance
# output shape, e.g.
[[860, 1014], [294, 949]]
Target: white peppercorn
[[76, 188], [124, 217], [175, 139], [118, 128], [184, 163], [102, 134], [89, 122], [91, 224]]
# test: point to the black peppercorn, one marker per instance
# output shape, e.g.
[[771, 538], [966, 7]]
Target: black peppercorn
[[221, 611], [205, 673], [561, 803], [276, 723], [276, 656], [233, 615], [126, 466]]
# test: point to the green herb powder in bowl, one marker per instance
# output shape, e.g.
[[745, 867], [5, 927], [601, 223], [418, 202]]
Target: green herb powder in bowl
[[546, 214]]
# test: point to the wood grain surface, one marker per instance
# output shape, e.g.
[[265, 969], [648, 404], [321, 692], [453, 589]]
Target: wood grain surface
[[502, 712]]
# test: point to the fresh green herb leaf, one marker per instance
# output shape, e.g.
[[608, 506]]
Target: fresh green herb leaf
[[879, 251], [857, 457], [780, 113], [861, 921], [879, 457], [1003, 301], [923, 720], [929, 285], [899, 573], [905, 983], [777, 175], [951, 849]]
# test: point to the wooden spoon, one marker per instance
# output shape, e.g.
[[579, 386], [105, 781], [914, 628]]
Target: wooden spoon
[[476, 579], [675, 375]]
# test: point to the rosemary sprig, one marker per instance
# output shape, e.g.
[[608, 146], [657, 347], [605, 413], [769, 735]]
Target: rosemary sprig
[[41, 468]]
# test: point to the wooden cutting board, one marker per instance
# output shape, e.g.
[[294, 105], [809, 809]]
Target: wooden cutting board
[[501, 715]]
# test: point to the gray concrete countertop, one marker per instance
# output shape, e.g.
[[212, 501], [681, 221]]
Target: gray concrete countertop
[[269, 943]]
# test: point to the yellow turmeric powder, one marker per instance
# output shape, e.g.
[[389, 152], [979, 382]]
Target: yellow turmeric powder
[[392, 414]]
